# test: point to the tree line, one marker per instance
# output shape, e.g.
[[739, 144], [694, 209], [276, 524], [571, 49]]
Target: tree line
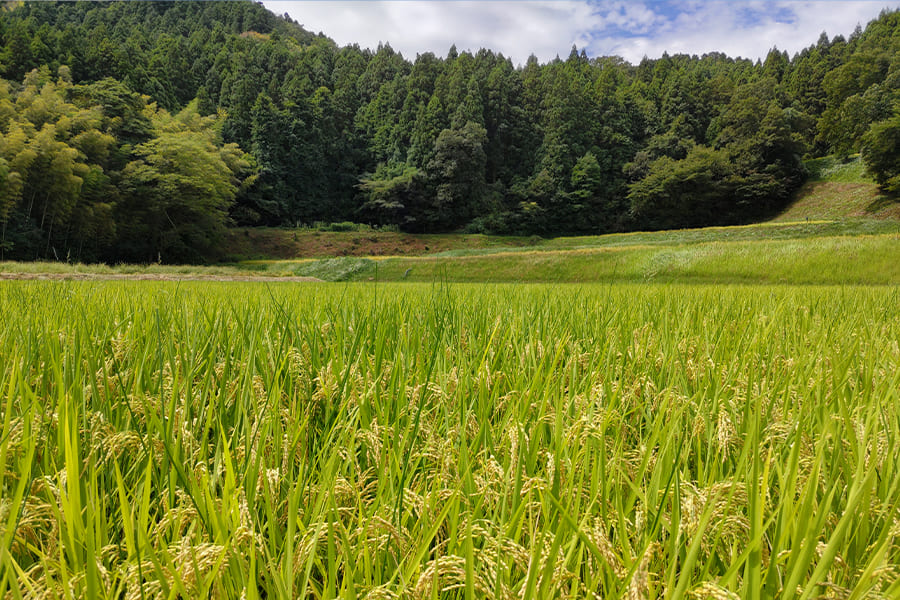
[[139, 131]]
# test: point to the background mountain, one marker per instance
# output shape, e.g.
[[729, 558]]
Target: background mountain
[[139, 131]]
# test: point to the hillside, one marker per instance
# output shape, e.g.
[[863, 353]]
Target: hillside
[[101, 105], [261, 243], [839, 190], [824, 200], [839, 199]]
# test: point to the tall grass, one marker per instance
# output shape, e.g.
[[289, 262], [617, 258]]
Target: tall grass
[[236, 440], [861, 259]]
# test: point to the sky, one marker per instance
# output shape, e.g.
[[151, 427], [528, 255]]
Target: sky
[[547, 28]]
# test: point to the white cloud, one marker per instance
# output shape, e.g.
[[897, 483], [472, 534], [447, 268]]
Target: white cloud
[[516, 29], [723, 27], [546, 28]]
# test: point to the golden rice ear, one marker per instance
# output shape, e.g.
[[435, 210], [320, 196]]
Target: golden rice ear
[[710, 590], [638, 585]]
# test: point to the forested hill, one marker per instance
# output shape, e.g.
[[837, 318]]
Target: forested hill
[[138, 131]]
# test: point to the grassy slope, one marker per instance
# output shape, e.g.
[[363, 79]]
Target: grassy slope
[[861, 259], [828, 200], [839, 190]]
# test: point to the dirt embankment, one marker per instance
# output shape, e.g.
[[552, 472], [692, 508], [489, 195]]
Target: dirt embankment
[[286, 244]]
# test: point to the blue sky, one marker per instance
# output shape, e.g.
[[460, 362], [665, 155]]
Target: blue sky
[[546, 28]]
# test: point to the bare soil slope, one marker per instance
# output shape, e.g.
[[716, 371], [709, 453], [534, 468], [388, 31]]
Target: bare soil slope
[[270, 243]]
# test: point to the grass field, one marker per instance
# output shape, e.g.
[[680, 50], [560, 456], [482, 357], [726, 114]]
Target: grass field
[[822, 209], [847, 251], [225, 440], [814, 253]]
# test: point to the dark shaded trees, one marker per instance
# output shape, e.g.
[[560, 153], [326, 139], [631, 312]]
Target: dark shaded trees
[[881, 153], [457, 174], [689, 192]]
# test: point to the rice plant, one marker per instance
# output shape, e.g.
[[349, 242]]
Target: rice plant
[[235, 440]]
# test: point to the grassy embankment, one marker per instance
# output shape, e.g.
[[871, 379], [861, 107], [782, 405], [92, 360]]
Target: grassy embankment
[[823, 252], [163, 440], [722, 255]]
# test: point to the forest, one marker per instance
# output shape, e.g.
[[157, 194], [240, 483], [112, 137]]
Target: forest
[[140, 131]]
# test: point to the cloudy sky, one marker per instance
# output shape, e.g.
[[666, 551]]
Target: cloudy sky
[[546, 28]]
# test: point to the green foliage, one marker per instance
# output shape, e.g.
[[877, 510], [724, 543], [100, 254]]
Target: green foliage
[[394, 195], [123, 110], [457, 174], [881, 153], [343, 226], [468, 140], [180, 186], [835, 170], [863, 87], [593, 204], [587, 178], [93, 171]]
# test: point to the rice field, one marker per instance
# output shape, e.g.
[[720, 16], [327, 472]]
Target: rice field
[[239, 440]]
